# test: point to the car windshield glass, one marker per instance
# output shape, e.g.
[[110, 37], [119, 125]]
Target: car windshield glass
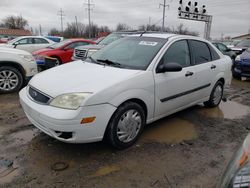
[[245, 43], [13, 40], [130, 52], [60, 44], [110, 38]]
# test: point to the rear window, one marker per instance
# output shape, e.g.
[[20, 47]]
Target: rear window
[[201, 52]]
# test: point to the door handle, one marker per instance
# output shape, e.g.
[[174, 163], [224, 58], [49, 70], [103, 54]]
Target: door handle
[[213, 67], [189, 74]]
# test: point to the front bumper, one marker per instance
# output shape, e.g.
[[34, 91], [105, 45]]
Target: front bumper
[[57, 122]]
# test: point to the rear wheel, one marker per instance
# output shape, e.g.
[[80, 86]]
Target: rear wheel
[[11, 79], [126, 125], [216, 95]]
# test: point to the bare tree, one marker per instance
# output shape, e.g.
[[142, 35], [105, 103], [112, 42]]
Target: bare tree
[[54, 32], [15, 22], [182, 30], [122, 27]]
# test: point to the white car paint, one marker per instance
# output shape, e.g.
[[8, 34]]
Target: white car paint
[[9, 55], [110, 87], [28, 47]]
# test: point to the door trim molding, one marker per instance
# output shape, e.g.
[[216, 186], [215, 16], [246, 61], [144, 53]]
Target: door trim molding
[[185, 93]]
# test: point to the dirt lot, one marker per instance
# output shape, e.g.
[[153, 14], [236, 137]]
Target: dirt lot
[[187, 149]]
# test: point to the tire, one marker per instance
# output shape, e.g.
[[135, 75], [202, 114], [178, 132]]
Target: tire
[[216, 95], [131, 118], [11, 79], [58, 60]]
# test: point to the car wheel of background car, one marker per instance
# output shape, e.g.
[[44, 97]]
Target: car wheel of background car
[[11, 79], [126, 125], [58, 60], [216, 95]]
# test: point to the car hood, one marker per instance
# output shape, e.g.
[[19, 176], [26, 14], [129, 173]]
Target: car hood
[[79, 76], [87, 47], [4, 49], [42, 51]]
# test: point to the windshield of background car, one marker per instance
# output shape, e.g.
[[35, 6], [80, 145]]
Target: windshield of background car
[[110, 38], [60, 44], [131, 52], [245, 43], [13, 40]]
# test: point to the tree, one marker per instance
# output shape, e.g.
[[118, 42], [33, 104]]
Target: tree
[[15, 22], [182, 30], [54, 32], [122, 27]]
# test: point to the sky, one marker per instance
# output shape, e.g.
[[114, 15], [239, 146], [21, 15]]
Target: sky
[[230, 17]]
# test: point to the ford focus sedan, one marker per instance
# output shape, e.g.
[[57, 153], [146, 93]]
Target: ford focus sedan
[[130, 83]]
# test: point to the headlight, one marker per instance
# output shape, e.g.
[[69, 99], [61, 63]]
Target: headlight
[[40, 58], [70, 101], [237, 173], [27, 57], [91, 52], [238, 58]]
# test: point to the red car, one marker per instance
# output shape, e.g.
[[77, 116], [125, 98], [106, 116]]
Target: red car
[[61, 52]]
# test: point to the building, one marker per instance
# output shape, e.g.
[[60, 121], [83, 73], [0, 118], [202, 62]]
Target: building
[[242, 37], [13, 33]]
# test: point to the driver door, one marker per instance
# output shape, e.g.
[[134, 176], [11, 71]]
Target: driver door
[[173, 90]]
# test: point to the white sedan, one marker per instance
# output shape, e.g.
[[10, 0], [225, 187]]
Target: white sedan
[[29, 43], [130, 83]]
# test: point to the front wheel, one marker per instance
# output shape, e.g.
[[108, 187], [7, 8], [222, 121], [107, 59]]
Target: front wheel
[[216, 95], [11, 79], [126, 125]]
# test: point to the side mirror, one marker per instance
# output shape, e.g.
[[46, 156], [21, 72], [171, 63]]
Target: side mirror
[[169, 67]]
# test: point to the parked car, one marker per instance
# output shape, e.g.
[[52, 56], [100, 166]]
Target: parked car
[[29, 43], [225, 50], [118, 90], [62, 51], [82, 52], [241, 46], [237, 173], [242, 65], [16, 69], [233, 43], [55, 38]]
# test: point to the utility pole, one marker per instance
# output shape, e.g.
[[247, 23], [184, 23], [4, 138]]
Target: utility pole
[[61, 14], [89, 9], [76, 25], [164, 11], [40, 30]]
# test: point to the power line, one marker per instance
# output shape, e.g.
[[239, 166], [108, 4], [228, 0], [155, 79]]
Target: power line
[[89, 9], [61, 15]]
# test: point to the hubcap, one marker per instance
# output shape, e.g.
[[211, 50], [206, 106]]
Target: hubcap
[[8, 80], [129, 126], [217, 94]]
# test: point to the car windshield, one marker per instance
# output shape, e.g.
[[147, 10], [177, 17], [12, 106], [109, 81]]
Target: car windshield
[[245, 43], [130, 52], [60, 44], [110, 38]]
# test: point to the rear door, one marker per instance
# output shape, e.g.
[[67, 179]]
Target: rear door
[[206, 66], [174, 90], [39, 43]]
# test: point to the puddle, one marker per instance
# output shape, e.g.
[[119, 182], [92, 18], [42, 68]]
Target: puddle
[[105, 170], [169, 131], [7, 171], [228, 110]]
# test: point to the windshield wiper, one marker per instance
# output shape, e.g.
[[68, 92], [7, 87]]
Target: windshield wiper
[[109, 62]]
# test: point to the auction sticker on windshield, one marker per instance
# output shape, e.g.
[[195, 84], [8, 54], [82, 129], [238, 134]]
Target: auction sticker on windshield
[[148, 43]]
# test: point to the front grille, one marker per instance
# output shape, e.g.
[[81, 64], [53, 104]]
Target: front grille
[[38, 96], [80, 53]]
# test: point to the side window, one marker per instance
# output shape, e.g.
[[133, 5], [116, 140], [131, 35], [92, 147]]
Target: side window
[[25, 41], [201, 52], [40, 41], [72, 45], [214, 54], [81, 44], [179, 53]]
